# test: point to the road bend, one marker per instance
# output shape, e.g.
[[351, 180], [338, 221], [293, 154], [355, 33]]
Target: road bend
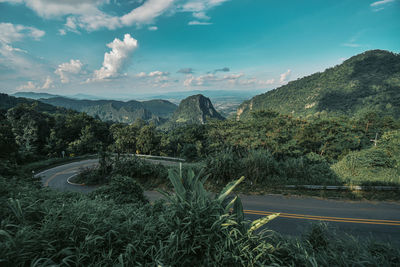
[[364, 219]]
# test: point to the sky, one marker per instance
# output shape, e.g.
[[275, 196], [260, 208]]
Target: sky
[[112, 48]]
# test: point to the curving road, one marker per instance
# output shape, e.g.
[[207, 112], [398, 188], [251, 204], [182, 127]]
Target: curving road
[[380, 220]]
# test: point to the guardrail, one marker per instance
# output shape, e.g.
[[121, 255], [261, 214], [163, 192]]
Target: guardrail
[[345, 187], [157, 157]]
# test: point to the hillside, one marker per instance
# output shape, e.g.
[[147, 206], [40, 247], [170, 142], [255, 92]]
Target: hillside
[[196, 109], [368, 81], [118, 111], [7, 102]]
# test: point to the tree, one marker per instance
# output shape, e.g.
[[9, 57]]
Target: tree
[[147, 141]]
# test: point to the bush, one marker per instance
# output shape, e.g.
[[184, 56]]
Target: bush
[[121, 190], [90, 176], [140, 169], [260, 166], [223, 166]]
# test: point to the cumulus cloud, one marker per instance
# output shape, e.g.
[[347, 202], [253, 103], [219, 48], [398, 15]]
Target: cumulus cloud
[[89, 14], [64, 70], [209, 78], [47, 83], [10, 33], [285, 76], [31, 86], [155, 77], [186, 71], [115, 60], [152, 28]]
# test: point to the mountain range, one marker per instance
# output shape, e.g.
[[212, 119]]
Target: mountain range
[[118, 111], [368, 81]]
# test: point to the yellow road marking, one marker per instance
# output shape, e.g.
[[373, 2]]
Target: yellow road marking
[[326, 218], [64, 172]]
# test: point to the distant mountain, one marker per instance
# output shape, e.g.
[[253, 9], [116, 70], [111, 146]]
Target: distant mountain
[[118, 111], [368, 81], [33, 95], [85, 96], [7, 102], [196, 109]]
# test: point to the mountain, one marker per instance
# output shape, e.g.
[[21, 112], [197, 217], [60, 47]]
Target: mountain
[[196, 109], [33, 95], [118, 111], [368, 81], [7, 102]]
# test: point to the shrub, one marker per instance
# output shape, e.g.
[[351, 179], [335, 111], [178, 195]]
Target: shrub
[[140, 169], [260, 166], [223, 166], [122, 190]]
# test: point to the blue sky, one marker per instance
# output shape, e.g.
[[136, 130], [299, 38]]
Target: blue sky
[[130, 47]]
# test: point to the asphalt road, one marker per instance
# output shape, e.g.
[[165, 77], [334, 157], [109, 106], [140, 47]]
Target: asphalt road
[[379, 220]]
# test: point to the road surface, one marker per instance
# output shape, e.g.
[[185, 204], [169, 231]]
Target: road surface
[[380, 220]]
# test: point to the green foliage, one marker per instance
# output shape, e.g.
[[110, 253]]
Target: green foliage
[[365, 82], [141, 169], [41, 227], [376, 165], [121, 190], [263, 168], [147, 140]]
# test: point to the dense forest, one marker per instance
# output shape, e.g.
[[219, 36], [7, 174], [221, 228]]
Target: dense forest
[[269, 147]]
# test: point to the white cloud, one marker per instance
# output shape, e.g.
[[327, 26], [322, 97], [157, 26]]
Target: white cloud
[[141, 74], [152, 28], [158, 73], [28, 86], [256, 82], [31, 86], [48, 83], [65, 69], [201, 15], [89, 14], [147, 12], [62, 32], [351, 45], [155, 77], [209, 78], [379, 3], [10, 33], [285, 76], [198, 9], [196, 22], [115, 60]]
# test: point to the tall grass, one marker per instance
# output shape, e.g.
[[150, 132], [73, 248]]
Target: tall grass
[[262, 168], [40, 227]]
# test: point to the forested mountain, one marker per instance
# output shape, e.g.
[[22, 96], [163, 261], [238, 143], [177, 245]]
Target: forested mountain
[[34, 95], [365, 82], [7, 102], [118, 111], [195, 109]]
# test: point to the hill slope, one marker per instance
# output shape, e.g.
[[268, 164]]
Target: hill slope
[[196, 109], [7, 102], [118, 111], [368, 81]]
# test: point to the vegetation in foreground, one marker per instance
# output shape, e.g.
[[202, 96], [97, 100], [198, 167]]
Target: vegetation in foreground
[[114, 226]]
